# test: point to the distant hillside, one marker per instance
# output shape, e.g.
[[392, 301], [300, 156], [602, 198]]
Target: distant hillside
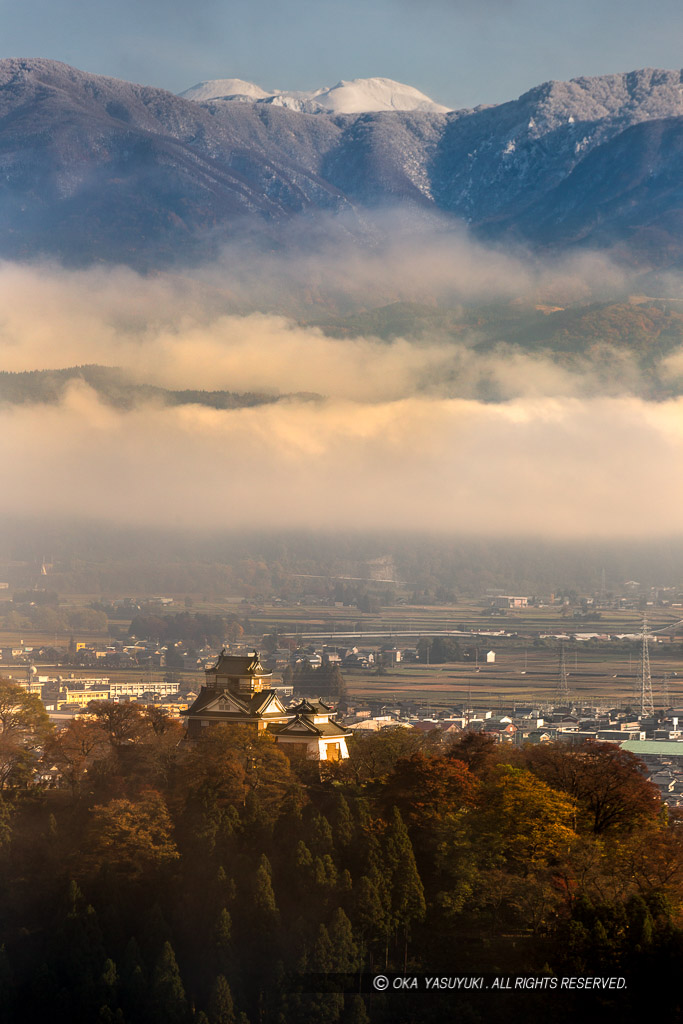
[[614, 347], [635, 325], [600, 336], [113, 386]]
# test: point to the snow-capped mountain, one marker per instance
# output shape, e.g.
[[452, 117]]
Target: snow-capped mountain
[[98, 168], [225, 89], [358, 96]]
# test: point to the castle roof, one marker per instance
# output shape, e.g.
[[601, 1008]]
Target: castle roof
[[310, 707], [239, 665], [224, 703], [303, 726]]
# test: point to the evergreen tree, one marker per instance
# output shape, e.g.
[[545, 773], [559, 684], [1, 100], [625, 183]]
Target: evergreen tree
[[6, 988], [344, 949], [109, 983], [322, 959], [223, 930], [355, 1012], [264, 896], [221, 1008], [133, 982], [303, 857], [222, 941], [407, 891], [227, 890], [167, 1003], [156, 932], [321, 840], [342, 823], [109, 1016], [370, 914]]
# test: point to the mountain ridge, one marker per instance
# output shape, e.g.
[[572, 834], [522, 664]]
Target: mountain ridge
[[93, 167]]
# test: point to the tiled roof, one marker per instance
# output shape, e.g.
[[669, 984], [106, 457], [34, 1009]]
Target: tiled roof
[[310, 707], [239, 665], [250, 704], [326, 729]]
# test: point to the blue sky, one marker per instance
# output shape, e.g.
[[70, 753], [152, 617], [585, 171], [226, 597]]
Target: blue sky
[[460, 52]]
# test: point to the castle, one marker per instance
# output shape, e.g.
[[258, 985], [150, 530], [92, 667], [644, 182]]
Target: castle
[[238, 691]]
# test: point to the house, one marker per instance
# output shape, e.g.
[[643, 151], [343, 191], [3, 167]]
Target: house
[[238, 691]]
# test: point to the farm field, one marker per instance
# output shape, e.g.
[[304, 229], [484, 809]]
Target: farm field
[[519, 674]]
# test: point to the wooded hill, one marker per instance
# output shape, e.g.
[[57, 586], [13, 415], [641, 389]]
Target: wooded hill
[[169, 884]]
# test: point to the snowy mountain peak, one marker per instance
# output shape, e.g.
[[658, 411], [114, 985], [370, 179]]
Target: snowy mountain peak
[[225, 89], [357, 96]]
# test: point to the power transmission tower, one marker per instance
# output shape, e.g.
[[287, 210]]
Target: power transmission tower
[[647, 707], [562, 691]]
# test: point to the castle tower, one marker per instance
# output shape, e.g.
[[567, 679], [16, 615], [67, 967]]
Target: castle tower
[[240, 675]]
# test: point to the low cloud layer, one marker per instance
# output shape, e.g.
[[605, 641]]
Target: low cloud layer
[[556, 467], [397, 437]]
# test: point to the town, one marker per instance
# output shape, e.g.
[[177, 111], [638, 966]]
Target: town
[[440, 672]]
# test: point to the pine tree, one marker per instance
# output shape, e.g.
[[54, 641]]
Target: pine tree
[[167, 994], [222, 937], [109, 1016], [407, 892], [227, 890], [303, 859], [264, 896], [370, 913], [221, 1007], [108, 983], [344, 949], [133, 980], [6, 989], [342, 823], [156, 933], [223, 930], [321, 835], [322, 956], [355, 1011]]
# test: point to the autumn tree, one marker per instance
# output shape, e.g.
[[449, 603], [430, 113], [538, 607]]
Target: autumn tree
[[478, 750], [24, 729], [133, 838], [425, 788], [75, 749], [520, 822], [608, 783], [122, 723], [374, 756]]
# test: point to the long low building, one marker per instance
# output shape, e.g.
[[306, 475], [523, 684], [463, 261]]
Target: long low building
[[652, 751]]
